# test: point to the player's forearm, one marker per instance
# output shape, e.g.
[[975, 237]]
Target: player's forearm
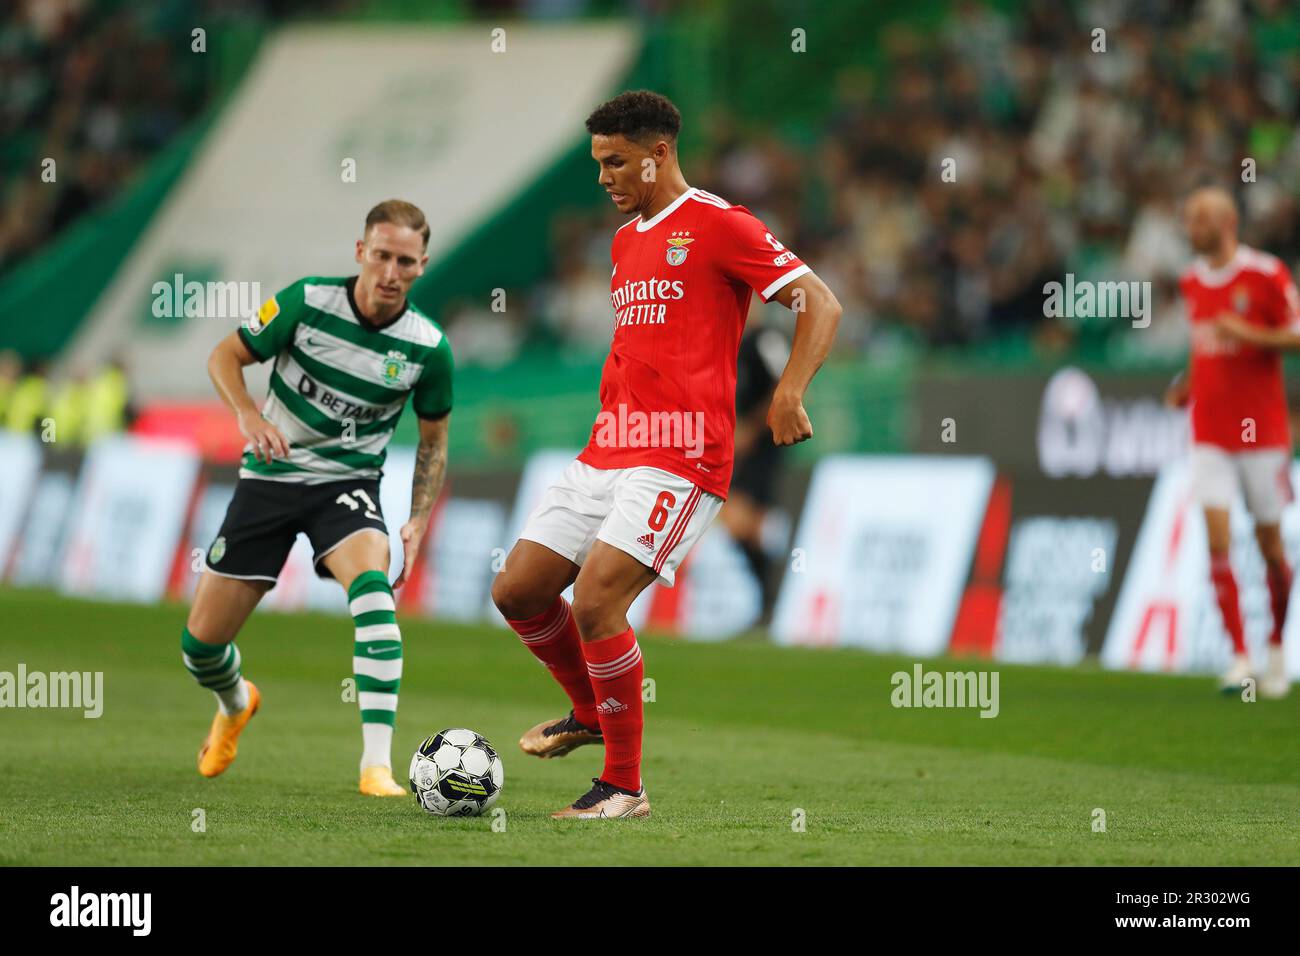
[[814, 335], [1284, 340], [430, 469], [227, 374]]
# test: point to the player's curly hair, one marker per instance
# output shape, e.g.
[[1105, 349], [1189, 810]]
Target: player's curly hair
[[639, 115]]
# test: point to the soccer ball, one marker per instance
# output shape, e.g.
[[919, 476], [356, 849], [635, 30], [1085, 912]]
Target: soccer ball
[[456, 773]]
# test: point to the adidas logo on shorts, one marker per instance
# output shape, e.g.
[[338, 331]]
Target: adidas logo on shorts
[[647, 541], [610, 705]]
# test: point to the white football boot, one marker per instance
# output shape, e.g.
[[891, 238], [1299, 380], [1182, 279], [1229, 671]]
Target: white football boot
[[1275, 684], [1233, 677], [604, 801]]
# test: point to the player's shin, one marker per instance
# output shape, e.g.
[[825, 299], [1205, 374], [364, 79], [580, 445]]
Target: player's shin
[[1279, 592], [216, 667], [552, 636], [1225, 591], [376, 663], [616, 670]]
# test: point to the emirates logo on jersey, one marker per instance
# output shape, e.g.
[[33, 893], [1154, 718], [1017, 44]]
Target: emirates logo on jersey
[[1207, 340], [645, 302], [677, 244]]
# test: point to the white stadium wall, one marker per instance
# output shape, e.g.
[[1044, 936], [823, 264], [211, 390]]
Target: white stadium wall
[[881, 560], [127, 517], [21, 455], [882, 552]]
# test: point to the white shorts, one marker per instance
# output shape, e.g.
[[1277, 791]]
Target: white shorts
[[651, 514], [1263, 477]]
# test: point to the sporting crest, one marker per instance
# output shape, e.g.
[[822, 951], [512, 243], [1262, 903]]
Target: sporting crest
[[394, 367]]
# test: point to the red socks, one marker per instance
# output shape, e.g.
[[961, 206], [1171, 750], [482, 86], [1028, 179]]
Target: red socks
[[552, 636], [1279, 590], [616, 670], [602, 679], [1225, 589]]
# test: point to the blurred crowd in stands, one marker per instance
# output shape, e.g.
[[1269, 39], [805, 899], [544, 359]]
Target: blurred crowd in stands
[[91, 87], [97, 86], [71, 410], [1065, 160]]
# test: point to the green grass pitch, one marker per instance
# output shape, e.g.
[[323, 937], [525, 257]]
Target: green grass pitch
[[740, 737]]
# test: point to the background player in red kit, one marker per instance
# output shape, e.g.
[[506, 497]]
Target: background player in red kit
[[658, 463], [1243, 308]]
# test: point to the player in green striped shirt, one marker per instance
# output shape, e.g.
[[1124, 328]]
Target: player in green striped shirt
[[347, 352]]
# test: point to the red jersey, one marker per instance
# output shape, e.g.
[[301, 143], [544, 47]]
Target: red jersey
[[680, 291], [1234, 384]]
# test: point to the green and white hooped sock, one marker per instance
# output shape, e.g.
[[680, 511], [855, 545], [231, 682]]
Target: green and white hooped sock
[[216, 667], [376, 663]]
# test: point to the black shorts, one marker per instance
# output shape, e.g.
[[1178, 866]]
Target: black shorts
[[755, 474], [264, 519]]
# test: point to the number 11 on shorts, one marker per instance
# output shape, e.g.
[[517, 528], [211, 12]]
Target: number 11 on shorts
[[347, 499]]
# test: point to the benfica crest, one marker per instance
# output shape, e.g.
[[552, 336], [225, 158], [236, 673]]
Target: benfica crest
[[677, 250]]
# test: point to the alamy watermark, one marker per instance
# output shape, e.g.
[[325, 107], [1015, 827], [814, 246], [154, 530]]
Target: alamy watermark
[[923, 688], [1084, 299], [77, 690], [637, 429], [76, 908], [180, 299]]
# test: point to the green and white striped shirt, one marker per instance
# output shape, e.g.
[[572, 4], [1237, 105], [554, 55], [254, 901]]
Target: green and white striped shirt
[[339, 383]]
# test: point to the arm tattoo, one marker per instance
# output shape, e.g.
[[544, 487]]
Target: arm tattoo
[[430, 466]]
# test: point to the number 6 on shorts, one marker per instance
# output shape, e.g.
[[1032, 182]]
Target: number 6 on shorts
[[659, 515]]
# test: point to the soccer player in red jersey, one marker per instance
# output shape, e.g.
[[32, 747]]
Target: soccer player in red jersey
[[1243, 309], [658, 464]]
